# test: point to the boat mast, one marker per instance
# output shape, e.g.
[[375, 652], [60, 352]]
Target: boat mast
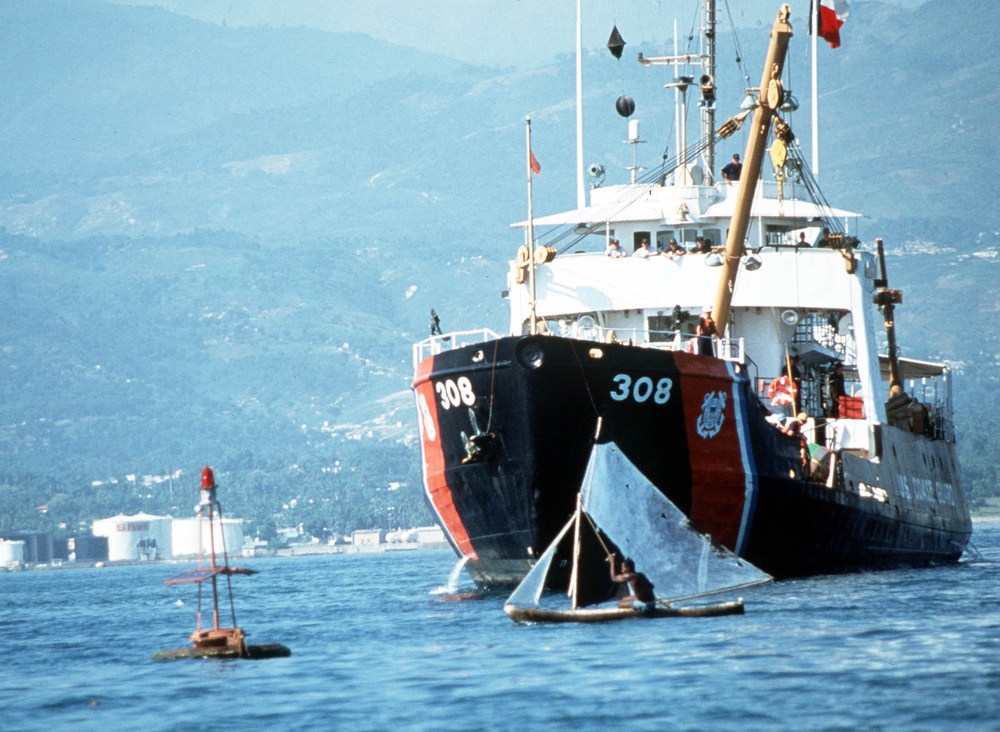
[[574, 579], [769, 97]]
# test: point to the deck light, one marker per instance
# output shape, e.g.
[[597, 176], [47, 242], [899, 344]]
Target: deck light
[[790, 103]]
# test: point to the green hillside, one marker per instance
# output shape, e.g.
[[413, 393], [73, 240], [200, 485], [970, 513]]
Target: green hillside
[[217, 245]]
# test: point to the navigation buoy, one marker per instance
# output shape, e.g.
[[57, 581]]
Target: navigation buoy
[[216, 641]]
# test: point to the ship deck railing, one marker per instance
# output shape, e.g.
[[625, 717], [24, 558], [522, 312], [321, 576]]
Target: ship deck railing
[[728, 349], [935, 395], [439, 343]]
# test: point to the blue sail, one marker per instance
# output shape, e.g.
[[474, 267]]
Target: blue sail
[[529, 592], [645, 526]]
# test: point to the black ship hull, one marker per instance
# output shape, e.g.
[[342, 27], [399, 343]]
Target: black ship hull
[[507, 426]]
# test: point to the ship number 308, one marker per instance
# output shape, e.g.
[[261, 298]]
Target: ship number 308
[[455, 392], [642, 389]]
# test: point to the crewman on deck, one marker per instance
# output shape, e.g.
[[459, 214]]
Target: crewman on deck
[[834, 390], [643, 250], [731, 171], [615, 250], [793, 428], [796, 375], [705, 329], [674, 249]]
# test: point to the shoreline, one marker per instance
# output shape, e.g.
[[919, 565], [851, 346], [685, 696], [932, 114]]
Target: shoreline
[[305, 550], [311, 550], [989, 518]]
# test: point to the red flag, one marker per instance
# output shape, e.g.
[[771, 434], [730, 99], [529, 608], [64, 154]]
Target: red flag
[[536, 167], [832, 14]]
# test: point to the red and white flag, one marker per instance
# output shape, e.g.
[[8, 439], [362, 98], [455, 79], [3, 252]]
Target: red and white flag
[[536, 167], [832, 14]]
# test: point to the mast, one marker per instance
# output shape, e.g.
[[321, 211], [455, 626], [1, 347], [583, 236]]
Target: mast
[[531, 232], [581, 188], [769, 97], [814, 24], [706, 83], [574, 580], [708, 88]]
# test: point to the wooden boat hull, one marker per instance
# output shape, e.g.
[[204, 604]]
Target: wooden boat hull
[[605, 615], [252, 651]]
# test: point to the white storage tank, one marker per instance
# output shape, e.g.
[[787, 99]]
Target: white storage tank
[[430, 535], [185, 532], [11, 553], [139, 537]]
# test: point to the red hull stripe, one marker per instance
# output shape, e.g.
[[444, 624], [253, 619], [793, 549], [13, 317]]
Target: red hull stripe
[[715, 446], [435, 483]]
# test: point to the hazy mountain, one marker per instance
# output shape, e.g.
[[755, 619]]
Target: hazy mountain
[[218, 243]]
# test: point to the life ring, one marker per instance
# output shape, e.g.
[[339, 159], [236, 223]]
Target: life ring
[[782, 391]]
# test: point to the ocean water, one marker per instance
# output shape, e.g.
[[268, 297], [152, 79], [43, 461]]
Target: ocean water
[[378, 644]]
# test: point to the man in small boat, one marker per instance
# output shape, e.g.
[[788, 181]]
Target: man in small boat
[[731, 171], [642, 597], [615, 250]]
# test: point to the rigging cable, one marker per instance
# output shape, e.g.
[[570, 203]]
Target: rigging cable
[[736, 45], [558, 235], [815, 193]]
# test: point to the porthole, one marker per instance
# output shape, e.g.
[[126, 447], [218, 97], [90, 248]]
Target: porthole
[[530, 354]]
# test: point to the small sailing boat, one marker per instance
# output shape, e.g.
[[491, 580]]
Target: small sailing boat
[[619, 511], [216, 641]]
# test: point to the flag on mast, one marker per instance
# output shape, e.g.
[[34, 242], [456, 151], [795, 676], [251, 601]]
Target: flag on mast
[[832, 14], [536, 167]]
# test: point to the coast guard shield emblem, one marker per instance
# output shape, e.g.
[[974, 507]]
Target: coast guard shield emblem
[[710, 421]]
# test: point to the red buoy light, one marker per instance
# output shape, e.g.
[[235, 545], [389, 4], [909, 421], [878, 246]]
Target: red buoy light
[[207, 478]]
